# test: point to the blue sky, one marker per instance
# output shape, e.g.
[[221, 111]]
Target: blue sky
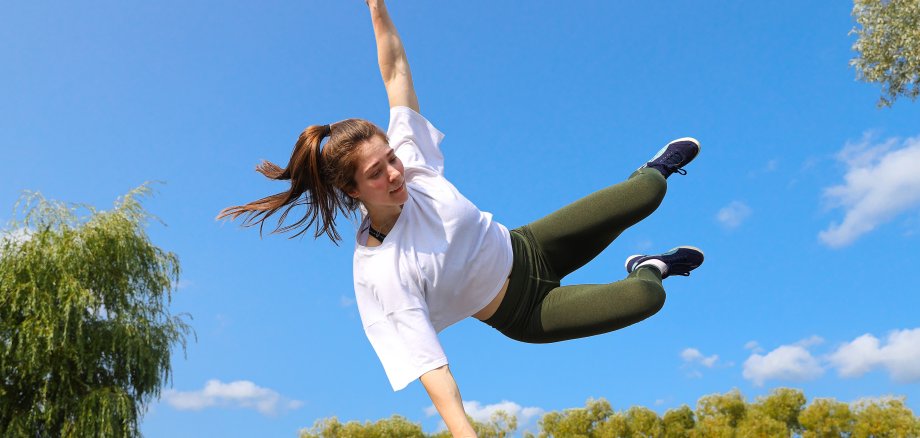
[[805, 196]]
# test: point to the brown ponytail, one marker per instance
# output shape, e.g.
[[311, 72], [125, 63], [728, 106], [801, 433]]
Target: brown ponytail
[[320, 179]]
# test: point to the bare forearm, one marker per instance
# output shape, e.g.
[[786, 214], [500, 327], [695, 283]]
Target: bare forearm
[[391, 57], [390, 52], [444, 393]]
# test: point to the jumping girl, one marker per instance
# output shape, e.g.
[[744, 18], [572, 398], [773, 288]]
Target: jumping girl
[[425, 257]]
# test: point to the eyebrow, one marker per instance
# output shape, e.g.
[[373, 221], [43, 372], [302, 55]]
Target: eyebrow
[[371, 167], [375, 163]]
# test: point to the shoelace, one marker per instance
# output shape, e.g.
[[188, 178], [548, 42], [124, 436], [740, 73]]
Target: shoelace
[[674, 157], [677, 170], [683, 261]]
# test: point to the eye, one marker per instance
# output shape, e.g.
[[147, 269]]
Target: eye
[[375, 174], [393, 159]]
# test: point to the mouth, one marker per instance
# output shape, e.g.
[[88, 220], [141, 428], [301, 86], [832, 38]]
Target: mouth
[[398, 189]]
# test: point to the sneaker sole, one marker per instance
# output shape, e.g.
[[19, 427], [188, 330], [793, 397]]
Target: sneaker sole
[[630, 258]]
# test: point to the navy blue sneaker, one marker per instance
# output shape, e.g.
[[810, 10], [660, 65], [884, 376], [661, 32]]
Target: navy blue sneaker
[[674, 156], [678, 261]]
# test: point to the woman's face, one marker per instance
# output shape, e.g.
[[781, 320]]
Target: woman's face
[[379, 180]]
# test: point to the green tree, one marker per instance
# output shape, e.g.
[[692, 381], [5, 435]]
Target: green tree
[[757, 423], [826, 418], [579, 422], [783, 405], [615, 426], [888, 46], [500, 425], [643, 422], [386, 428], [85, 329], [678, 422], [886, 418], [781, 414], [718, 415]]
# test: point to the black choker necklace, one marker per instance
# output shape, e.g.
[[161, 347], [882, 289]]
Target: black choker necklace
[[376, 234]]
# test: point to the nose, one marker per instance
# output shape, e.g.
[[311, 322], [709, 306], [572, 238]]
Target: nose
[[393, 172]]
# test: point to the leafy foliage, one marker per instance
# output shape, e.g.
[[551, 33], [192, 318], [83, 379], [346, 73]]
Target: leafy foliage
[[888, 45], [678, 422], [783, 413], [887, 418], [501, 425], [393, 426], [580, 421], [85, 330], [826, 418]]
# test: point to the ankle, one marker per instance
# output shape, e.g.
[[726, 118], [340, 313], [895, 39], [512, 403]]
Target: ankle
[[656, 264], [661, 169]]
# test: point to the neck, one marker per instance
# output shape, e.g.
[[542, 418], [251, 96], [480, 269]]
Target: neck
[[383, 218]]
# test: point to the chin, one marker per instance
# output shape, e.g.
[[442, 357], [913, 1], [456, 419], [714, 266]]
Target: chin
[[402, 195]]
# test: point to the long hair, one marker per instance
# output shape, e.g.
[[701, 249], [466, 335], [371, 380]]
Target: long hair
[[320, 177]]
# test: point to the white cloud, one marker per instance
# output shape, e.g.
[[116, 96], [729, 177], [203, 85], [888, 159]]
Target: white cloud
[[810, 342], [239, 394], [881, 182], [15, 237], [733, 214], [900, 356], [692, 355], [856, 358], [693, 358], [878, 400], [788, 362], [483, 413]]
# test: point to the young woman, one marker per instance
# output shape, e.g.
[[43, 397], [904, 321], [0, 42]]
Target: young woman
[[425, 257]]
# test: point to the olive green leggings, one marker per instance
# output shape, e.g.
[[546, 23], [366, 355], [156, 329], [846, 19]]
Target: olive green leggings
[[537, 309]]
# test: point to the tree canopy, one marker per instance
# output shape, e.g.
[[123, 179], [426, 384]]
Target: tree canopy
[[85, 329], [888, 46], [783, 412]]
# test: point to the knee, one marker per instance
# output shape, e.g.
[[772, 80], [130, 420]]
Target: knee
[[648, 294], [652, 185], [658, 185]]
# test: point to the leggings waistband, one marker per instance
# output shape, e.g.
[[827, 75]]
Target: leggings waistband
[[531, 279]]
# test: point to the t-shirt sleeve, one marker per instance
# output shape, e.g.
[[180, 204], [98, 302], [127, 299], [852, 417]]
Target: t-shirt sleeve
[[407, 345], [415, 140]]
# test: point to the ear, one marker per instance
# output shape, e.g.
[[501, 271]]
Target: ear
[[353, 192]]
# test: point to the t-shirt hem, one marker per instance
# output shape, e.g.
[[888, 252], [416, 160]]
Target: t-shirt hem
[[403, 108], [509, 257], [422, 369]]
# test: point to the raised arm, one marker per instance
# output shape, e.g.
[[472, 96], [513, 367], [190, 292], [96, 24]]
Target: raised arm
[[394, 66], [444, 393]]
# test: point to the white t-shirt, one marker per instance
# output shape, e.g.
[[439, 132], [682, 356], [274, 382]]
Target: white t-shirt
[[442, 261]]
